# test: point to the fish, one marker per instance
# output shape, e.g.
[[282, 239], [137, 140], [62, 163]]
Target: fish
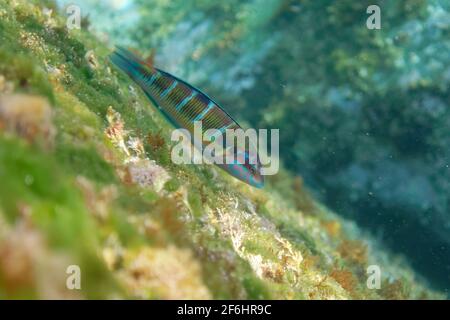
[[183, 104]]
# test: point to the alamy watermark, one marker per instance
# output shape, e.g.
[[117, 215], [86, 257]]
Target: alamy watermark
[[73, 281], [374, 20], [229, 146], [374, 277], [73, 17]]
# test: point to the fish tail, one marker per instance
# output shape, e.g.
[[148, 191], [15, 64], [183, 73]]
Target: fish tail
[[131, 64]]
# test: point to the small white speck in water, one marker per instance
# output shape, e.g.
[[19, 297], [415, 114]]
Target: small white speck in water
[[29, 180]]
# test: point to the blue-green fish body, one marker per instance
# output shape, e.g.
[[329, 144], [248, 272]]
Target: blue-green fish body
[[182, 104]]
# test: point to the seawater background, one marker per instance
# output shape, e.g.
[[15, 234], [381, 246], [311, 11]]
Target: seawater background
[[364, 115]]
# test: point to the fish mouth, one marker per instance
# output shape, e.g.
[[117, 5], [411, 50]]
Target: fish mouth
[[259, 182]]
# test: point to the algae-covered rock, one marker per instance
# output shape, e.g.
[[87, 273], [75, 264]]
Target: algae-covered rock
[[167, 273], [28, 116], [101, 196], [26, 263]]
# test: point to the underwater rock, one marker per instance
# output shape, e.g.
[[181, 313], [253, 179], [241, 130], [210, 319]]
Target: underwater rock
[[48, 17], [138, 168], [91, 60], [345, 278], [168, 273], [5, 86], [58, 73], [29, 117], [98, 202], [285, 263], [27, 262], [146, 173], [32, 41], [113, 252], [116, 130]]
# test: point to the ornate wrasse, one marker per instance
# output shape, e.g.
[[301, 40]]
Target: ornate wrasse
[[183, 105]]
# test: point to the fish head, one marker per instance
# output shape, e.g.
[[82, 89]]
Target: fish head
[[247, 168], [254, 177]]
